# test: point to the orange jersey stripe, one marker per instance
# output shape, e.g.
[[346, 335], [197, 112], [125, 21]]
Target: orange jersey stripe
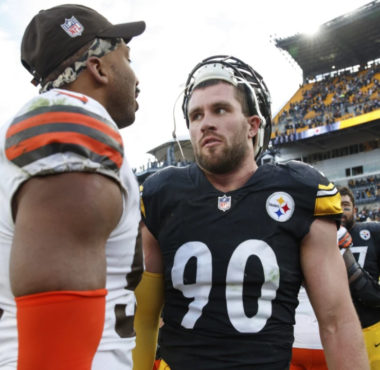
[[345, 241], [63, 117], [82, 98], [64, 137]]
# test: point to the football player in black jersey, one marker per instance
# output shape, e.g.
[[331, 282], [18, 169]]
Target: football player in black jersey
[[366, 249], [233, 241]]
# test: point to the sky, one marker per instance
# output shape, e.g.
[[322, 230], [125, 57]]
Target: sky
[[179, 34]]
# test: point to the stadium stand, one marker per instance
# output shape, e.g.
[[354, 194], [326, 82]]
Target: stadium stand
[[167, 154], [328, 100], [333, 120]]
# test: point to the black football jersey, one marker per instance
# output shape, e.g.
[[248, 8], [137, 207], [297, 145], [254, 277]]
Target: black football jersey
[[231, 262], [366, 249]]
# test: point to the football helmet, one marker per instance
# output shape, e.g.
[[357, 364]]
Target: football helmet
[[235, 72]]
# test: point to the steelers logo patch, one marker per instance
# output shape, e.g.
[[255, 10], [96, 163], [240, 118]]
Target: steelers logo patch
[[280, 206], [365, 234]]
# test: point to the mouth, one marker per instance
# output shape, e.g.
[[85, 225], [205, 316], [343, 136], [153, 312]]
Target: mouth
[[137, 92], [210, 141]]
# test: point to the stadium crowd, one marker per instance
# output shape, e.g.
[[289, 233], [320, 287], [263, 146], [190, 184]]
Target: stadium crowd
[[335, 96], [367, 190], [156, 165], [368, 214]]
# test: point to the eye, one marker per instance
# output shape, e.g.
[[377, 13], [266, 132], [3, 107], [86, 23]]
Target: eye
[[195, 116], [221, 110], [346, 206]]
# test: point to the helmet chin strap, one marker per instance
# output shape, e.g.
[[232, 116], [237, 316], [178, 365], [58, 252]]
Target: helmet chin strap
[[259, 142], [174, 134]]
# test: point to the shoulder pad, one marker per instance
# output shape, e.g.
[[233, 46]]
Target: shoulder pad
[[306, 172], [371, 225], [327, 198], [159, 186], [161, 178], [60, 138]]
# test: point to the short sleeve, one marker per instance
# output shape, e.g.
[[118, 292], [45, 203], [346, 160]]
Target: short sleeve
[[62, 138]]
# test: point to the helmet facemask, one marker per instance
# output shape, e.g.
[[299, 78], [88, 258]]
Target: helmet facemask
[[237, 73]]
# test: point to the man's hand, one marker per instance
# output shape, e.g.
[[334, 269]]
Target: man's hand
[[344, 238]]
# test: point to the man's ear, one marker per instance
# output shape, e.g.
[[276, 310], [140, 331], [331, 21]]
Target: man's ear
[[97, 70], [254, 123]]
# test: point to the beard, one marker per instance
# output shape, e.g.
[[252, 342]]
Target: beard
[[223, 161], [348, 222], [122, 108], [122, 104]]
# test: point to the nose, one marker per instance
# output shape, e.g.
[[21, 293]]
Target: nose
[[135, 78], [208, 122]]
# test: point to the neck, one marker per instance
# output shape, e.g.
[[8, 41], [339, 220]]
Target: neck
[[86, 86], [233, 180]]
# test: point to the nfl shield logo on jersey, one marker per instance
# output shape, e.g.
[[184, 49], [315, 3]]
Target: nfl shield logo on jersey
[[224, 203], [72, 27]]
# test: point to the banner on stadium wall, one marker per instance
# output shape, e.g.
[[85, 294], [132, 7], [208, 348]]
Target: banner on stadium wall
[[340, 125]]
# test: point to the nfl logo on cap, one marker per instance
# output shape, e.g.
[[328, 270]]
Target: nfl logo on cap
[[224, 203], [72, 27]]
